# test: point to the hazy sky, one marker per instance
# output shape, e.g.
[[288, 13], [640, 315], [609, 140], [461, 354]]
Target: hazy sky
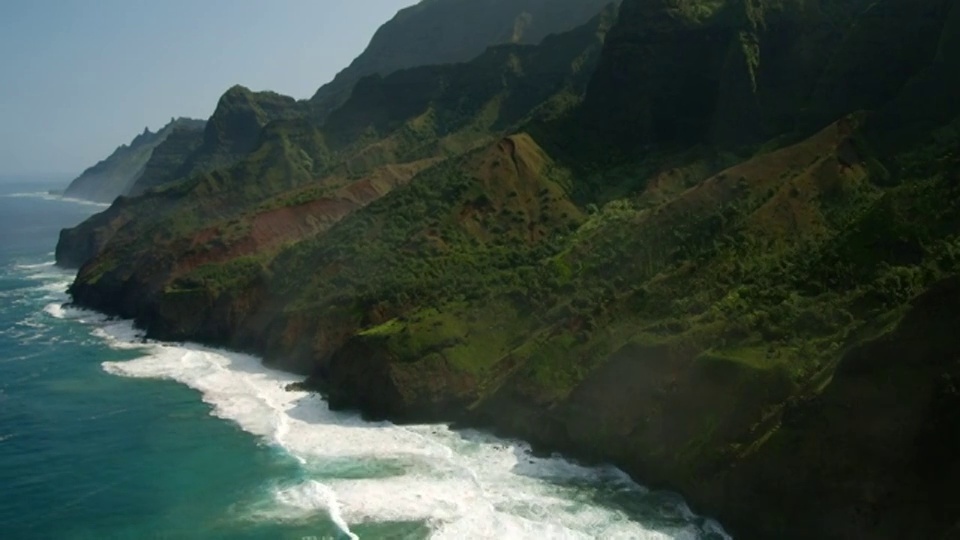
[[80, 77]]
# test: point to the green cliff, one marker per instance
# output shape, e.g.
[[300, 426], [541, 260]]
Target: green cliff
[[117, 174], [167, 159], [435, 32], [230, 134], [715, 242]]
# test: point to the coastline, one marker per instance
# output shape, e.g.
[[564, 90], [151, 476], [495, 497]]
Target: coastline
[[826, 432], [311, 410]]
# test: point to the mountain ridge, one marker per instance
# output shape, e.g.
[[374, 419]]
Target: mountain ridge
[[710, 274], [435, 33], [116, 175]]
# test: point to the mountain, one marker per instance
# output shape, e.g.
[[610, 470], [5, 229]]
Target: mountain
[[435, 32], [115, 175], [369, 138], [230, 134], [432, 32], [713, 242], [167, 159]]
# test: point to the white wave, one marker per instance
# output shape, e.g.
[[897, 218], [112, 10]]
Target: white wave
[[463, 484], [53, 282], [307, 498], [64, 311], [55, 310], [51, 197], [31, 322], [59, 286], [38, 266]]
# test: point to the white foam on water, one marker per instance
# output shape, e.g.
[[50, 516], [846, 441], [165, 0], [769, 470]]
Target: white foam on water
[[39, 266], [463, 484], [55, 310], [64, 311], [49, 279], [51, 197], [55, 289], [306, 498]]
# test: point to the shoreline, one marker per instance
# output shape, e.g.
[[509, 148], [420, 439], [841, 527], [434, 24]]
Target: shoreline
[[290, 384]]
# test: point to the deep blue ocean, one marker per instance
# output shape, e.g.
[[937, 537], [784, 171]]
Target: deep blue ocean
[[103, 435]]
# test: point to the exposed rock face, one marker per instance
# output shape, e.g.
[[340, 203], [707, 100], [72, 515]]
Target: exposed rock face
[[437, 32], [765, 328], [117, 174]]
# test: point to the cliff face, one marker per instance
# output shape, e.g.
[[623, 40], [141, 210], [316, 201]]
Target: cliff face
[[435, 32], [230, 134], [117, 174], [430, 33], [883, 459], [738, 72], [166, 160], [317, 175], [715, 244]]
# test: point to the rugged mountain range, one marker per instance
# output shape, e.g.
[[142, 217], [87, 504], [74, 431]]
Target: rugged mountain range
[[116, 175], [714, 242], [437, 32]]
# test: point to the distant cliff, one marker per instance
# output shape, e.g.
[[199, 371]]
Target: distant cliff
[[231, 133], [445, 31], [116, 175]]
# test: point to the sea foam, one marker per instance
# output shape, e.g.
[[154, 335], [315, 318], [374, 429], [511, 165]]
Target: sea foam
[[51, 197], [464, 484]]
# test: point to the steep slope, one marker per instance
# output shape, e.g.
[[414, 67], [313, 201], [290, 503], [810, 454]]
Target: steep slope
[[166, 160], [716, 272], [430, 33], [297, 164], [231, 134], [437, 32], [730, 73], [117, 174]]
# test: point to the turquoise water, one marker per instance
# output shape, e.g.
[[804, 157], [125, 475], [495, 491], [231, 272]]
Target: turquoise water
[[103, 435]]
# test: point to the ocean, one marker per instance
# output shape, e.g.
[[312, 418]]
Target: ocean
[[105, 435]]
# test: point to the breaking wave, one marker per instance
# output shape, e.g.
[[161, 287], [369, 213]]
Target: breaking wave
[[462, 484]]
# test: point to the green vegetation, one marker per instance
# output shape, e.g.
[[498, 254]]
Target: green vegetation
[[668, 248], [411, 39], [118, 174]]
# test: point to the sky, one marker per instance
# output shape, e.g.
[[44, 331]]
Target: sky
[[80, 77]]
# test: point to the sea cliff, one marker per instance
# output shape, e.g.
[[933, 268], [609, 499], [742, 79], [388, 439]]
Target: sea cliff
[[712, 242]]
